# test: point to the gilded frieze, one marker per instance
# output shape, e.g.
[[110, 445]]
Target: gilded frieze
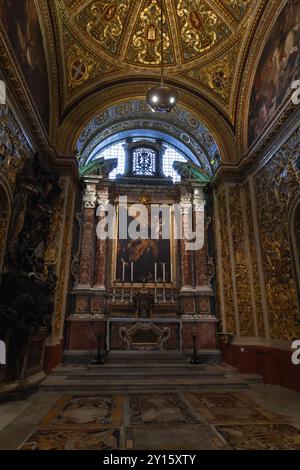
[[242, 275], [226, 265], [201, 28], [104, 22], [276, 185], [145, 44], [254, 265]]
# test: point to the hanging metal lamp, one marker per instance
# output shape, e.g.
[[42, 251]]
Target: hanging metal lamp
[[162, 98]]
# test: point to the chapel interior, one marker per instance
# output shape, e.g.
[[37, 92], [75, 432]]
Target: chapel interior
[[124, 343]]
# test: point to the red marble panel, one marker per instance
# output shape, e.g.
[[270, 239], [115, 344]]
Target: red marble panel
[[84, 334], [205, 333]]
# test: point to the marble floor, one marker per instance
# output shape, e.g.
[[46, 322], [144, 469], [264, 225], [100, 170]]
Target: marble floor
[[257, 417]]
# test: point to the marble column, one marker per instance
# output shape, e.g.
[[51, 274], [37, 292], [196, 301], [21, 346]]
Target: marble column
[[186, 258], [200, 256], [87, 239], [101, 251]]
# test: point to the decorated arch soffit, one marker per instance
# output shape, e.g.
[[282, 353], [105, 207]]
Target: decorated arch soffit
[[184, 130], [205, 41]]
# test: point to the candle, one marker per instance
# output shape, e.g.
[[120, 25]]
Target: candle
[[123, 273], [155, 273], [131, 271]]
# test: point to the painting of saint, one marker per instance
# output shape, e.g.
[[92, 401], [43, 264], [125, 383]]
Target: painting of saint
[[139, 256], [21, 22], [278, 68]]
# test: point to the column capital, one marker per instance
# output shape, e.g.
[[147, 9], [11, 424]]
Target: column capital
[[89, 197], [199, 200], [103, 198]]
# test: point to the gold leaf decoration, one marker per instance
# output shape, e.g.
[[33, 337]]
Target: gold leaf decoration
[[217, 76], [145, 44], [242, 275], [81, 64], [104, 21], [277, 185], [237, 7], [226, 265], [200, 27]]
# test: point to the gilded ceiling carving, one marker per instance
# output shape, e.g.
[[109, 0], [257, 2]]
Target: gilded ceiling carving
[[200, 27], [217, 76], [108, 40], [237, 7], [104, 22], [81, 64], [145, 44]]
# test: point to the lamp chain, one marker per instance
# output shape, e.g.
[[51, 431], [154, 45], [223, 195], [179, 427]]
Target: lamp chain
[[162, 42]]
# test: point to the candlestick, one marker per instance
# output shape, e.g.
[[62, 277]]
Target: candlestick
[[132, 271], [123, 272], [131, 291], [155, 280], [164, 282]]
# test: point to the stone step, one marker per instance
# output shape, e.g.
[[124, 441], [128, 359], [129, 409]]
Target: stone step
[[252, 378], [137, 357], [143, 384]]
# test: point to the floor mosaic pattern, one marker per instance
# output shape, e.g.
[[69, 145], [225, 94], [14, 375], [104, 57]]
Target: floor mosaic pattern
[[261, 436], [158, 420]]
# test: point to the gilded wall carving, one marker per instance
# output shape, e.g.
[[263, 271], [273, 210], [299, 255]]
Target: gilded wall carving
[[242, 275], [276, 185], [53, 240], [14, 149], [254, 265], [61, 291], [226, 264]]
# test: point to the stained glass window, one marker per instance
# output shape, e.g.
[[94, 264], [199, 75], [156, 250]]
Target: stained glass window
[[144, 162]]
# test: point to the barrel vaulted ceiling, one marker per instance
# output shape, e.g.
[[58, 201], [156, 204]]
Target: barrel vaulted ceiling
[[203, 41], [104, 52]]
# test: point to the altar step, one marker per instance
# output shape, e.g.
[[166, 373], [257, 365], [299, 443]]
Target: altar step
[[136, 378], [146, 357]]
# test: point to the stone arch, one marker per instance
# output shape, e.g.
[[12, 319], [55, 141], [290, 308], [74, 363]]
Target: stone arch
[[83, 112]]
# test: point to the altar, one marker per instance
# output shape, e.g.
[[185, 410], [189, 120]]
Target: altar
[[149, 292]]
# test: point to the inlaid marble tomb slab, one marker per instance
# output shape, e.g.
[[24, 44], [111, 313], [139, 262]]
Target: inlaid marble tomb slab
[[160, 408]]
